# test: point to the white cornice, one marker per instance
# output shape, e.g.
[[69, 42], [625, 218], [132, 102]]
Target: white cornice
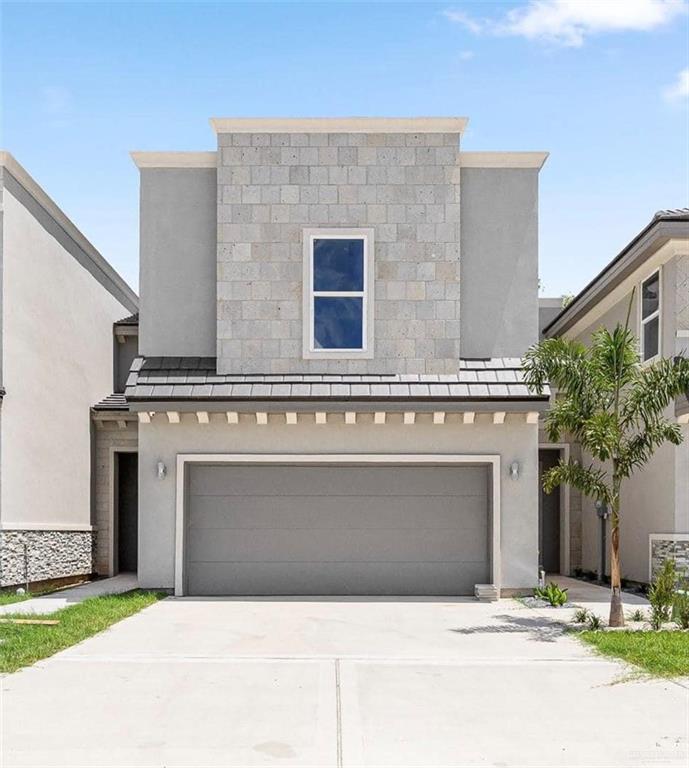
[[175, 159], [502, 159], [338, 124]]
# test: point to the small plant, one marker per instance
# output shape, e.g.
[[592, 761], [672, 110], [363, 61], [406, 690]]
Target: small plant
[[594, 622], [581, 616], [637, 615], [552, 594], [661, 593], [680, 604]]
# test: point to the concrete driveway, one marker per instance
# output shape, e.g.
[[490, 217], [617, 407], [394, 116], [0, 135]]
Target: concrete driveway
[[360, 682]]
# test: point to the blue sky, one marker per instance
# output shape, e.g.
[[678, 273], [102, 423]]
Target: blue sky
[[602, 86]]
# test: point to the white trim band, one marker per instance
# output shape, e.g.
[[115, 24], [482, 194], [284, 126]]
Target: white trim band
[[74, 527], [339, 124], [502, 159], [175, 159]]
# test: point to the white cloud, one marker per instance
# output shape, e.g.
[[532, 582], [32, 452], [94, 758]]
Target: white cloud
[[459, 17], [679, 90], [570, 22], [466, 55]]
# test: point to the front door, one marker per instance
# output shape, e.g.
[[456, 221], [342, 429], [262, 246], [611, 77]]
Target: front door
[[548, 515], [127, 511]]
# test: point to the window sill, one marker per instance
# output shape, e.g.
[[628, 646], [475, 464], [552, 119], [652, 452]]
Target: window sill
[[335, 354]]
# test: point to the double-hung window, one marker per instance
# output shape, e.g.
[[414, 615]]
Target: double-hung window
[[650, 317], [338, 293]]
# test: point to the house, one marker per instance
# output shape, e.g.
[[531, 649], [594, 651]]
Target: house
[[655, 502], [59, 301], [328, 390]]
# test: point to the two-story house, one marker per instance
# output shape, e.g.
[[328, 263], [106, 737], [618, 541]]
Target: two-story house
[[649, 279], [58, 300], [328, 387]]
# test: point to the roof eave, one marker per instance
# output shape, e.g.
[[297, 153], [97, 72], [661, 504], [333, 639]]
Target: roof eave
[[657, 232]]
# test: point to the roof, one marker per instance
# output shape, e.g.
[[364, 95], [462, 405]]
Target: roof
[[114, 402], [45, 210], [131, 320], [665, 224], [195, 378]]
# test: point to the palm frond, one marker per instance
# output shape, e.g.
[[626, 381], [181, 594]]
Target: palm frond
[[653, 389], [590, 480], [559, 362], [636, 451]]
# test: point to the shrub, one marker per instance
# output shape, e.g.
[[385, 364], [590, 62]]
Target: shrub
[[661, 593], [680, 604], [594, 622], [552, 594], [581, 615], [637, 615]]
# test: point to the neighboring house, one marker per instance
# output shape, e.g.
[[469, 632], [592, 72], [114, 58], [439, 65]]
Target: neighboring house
[[328, 391], [655, 502], [59, 301]]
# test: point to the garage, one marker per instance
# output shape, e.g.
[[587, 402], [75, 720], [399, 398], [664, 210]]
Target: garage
[[344, 529]]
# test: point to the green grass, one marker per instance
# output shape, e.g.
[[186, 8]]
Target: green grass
[[24, 644], [664, 654], [7, 598], [10, 596]]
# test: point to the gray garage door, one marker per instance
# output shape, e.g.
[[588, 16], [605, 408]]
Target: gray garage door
[[336, 530]]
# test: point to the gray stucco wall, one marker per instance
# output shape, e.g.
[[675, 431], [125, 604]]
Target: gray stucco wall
[[499, 246], [548, 310], [125, 351], [178, 261], [514, 440], [272, 186]]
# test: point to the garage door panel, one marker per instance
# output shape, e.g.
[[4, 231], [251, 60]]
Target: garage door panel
[[327, 512], [330, 529], [354, 545], [337, 579], [282, 480]]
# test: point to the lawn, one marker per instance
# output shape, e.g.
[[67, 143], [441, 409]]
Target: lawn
[[24, 644], [7, 598], [665, 654]]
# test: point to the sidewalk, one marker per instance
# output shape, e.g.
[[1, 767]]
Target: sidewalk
[[594, 598], [55, 601]]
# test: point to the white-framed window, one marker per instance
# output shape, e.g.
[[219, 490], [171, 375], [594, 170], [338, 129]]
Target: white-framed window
[[338, 293], [649, 315]]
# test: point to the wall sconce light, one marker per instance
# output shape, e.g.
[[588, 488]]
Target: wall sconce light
[[161, 470], [514, 470]]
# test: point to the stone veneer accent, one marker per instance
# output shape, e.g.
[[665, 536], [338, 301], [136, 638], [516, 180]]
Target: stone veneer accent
[[50, 555], [272, 186], [671, 547], [109, 436]]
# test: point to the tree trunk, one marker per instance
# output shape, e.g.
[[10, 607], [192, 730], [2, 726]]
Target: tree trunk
[[616, 611]]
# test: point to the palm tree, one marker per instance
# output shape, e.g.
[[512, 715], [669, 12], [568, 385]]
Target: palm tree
[[614, 406]]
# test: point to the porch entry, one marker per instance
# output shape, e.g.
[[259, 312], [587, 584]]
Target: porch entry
[[548, 515], [126, 527]]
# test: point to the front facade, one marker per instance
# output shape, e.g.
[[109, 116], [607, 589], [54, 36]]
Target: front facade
[[650, 280], [328, 391], [59, 301]]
